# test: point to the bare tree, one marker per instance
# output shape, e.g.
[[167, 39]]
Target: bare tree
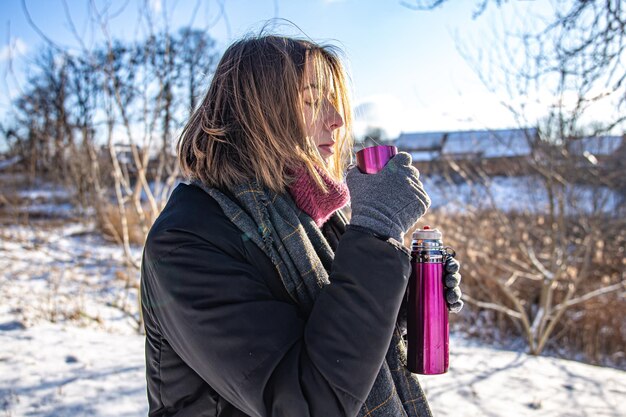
[[102, 120], [578, 51], [143, 84], [538, 266]]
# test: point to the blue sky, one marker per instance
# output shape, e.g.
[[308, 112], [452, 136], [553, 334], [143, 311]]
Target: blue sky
[[407, 73]]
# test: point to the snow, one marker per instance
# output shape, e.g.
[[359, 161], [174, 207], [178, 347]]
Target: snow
[[62, 370], [38, 193], [500, 143], [68, 271], [490, 143], [66, 371], [483, 143], [70, 347], [8, 163], [424, 155], [486, 382], [418, 140], [600, 145], [522, 194]]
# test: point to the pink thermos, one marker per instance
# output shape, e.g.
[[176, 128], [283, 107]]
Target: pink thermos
[[427, 313]]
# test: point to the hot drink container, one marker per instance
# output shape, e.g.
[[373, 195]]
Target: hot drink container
[[373, 159], [427, 312]]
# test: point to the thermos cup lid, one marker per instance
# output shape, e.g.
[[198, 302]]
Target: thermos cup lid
[[373, 159], [427, 233]]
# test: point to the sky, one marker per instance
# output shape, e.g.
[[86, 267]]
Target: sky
[[406, 69]]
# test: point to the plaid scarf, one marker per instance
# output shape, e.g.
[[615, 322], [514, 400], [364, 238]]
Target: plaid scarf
[[303, 257]]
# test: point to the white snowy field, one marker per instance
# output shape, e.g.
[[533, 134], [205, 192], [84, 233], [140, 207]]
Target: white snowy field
[[67, 371], [69, 345]]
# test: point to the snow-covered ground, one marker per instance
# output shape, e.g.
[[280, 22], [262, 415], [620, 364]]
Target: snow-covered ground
[[64, 273], [67, 371], [69, 346]]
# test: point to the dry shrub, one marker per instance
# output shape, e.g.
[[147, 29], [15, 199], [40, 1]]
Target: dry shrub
[[10, 201], [596, 331], [109, 221], [18, 208], [129, 280], [488, 247]]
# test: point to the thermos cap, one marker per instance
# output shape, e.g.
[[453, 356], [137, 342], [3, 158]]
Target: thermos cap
[[373, 159], [427, 234]]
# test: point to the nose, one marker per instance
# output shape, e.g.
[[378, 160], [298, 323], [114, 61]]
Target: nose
[[332, 117]]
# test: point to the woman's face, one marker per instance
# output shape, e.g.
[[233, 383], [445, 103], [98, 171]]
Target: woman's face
[[320, 116]]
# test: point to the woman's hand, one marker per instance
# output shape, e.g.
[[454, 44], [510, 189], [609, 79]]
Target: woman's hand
[[389, 202], [452, 280]]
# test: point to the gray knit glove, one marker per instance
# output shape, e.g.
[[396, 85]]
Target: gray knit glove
[[389, 202], [451, 280]]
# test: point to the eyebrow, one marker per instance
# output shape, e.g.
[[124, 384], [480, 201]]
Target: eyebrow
[[312, 85]]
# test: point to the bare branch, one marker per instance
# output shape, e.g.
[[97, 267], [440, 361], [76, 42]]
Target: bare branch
[[492, 306], [36, 28], [70, 21], [590, 295], [540, 267], [423, 4]]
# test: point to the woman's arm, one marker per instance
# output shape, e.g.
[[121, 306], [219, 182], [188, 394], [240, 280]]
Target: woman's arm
[[219, 315]]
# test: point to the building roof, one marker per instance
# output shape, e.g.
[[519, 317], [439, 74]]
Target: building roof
[[599, 145], [424, 155], [480, 143], [420, 141], [491, 143]]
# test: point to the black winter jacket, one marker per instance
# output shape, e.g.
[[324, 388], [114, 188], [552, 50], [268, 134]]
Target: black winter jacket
[[223, 337]]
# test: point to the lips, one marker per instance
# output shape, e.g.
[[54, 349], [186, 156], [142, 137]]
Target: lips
[[327, 148]]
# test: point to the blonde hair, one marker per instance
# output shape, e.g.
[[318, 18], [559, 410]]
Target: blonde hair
[[250, 123]]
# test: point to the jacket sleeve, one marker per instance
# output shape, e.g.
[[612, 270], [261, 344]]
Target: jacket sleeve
[[256, 351]]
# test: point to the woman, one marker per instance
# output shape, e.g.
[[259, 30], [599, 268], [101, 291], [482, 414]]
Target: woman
[[258, 299]]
